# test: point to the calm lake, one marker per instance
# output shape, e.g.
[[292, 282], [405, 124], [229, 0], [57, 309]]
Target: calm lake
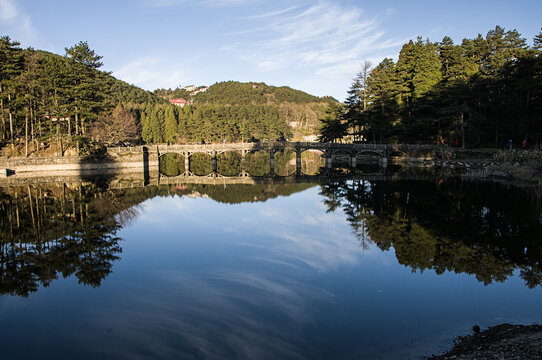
[[349, 267]]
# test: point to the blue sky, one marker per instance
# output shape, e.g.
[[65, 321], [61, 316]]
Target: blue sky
[[314, 46]]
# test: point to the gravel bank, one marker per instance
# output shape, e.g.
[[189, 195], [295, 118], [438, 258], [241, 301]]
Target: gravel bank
[[503, 341]]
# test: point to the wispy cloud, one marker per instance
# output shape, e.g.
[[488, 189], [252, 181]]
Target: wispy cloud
[[324, 33], [326, 38], [152, 72], [7, 10], [169, 3], [15, 22]]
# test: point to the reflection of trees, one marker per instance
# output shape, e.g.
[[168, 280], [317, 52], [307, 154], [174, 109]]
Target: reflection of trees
[[201, 164], [56, 231], [229, 163], [171, 164], [62, 230], [312, 162], [285, 162], [258, 163], [473, 228]]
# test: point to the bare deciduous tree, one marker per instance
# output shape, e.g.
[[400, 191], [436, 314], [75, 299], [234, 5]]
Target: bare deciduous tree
[[120, 126]]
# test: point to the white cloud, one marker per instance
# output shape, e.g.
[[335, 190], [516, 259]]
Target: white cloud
[[15, 22], [323, 33], [7, 10], [152, 72], [169, 3], [324, 39]]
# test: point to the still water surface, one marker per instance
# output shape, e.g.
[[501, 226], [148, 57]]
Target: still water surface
[[350, 269]]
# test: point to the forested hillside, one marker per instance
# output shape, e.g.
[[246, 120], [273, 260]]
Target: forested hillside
[[236, 93], [52, 104], [46, 98], [234, 112], [482, 92]]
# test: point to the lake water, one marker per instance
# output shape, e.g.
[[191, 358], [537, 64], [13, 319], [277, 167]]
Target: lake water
[[350, 268]]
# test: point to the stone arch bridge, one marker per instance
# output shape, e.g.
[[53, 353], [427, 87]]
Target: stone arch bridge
[[332, 152]]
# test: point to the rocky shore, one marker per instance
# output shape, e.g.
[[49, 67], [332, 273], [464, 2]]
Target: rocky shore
[[501, 342]]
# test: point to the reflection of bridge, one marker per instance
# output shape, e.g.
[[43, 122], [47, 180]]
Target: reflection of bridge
[[351, 153], [138, 179]]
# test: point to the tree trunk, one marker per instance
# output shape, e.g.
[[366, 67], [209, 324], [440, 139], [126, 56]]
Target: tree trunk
[[11, 123], [76, 121], [2, 114], [32, 124], [26, 133]]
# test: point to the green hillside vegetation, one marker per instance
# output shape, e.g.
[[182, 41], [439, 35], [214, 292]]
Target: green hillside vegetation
[[233, 112], [64, 105], [46, 98], [482, 92], [237, 93]]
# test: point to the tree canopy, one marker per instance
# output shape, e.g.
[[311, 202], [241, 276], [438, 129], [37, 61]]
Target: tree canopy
[[483, 91]]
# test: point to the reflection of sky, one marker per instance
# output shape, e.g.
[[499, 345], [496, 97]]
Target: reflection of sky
[[281, 279]]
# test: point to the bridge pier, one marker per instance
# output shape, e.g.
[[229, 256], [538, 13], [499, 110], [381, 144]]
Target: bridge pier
[[353, 160], [214, 161], [298, 162], [243, 162], [186, 162], [271, 162]]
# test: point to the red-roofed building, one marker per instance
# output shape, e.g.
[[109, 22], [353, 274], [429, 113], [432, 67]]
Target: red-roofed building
[[179, 102]]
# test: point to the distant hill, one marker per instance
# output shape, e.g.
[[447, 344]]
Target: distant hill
[[248, 110], [237, 93]]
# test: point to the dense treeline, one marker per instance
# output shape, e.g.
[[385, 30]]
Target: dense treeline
[[62, 230], [45, 97], [484, 91], [236, 93], [237, 111], [212, 123], [465, 227]]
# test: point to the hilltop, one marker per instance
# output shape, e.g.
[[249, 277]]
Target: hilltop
[[238, 93], [64, 104], [282, 111]]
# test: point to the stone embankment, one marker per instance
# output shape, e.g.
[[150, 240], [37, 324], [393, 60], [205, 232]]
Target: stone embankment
[[523, 166], [79, 165]]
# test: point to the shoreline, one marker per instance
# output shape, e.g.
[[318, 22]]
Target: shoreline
[[504, 341]]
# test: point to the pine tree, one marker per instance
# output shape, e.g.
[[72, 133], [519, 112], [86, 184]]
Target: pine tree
[[333, 127], [170, 124], [357, 100], [537, 41], [384, 89]]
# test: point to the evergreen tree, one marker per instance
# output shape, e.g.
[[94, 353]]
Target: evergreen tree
[[333, 127], [170, 124], [384, 89]]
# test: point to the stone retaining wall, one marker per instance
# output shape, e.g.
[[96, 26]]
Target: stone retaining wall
[[126, 162]]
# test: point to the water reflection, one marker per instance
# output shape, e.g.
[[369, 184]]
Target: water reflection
[[485, 229], [55, 231]]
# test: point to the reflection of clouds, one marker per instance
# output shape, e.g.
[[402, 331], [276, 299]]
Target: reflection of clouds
[[225, 314], [263, 298], [309, 236]]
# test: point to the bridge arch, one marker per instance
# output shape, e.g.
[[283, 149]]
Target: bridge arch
[[201, 163], [257, 162], [229, 163], [312, 161], [171, 164]]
